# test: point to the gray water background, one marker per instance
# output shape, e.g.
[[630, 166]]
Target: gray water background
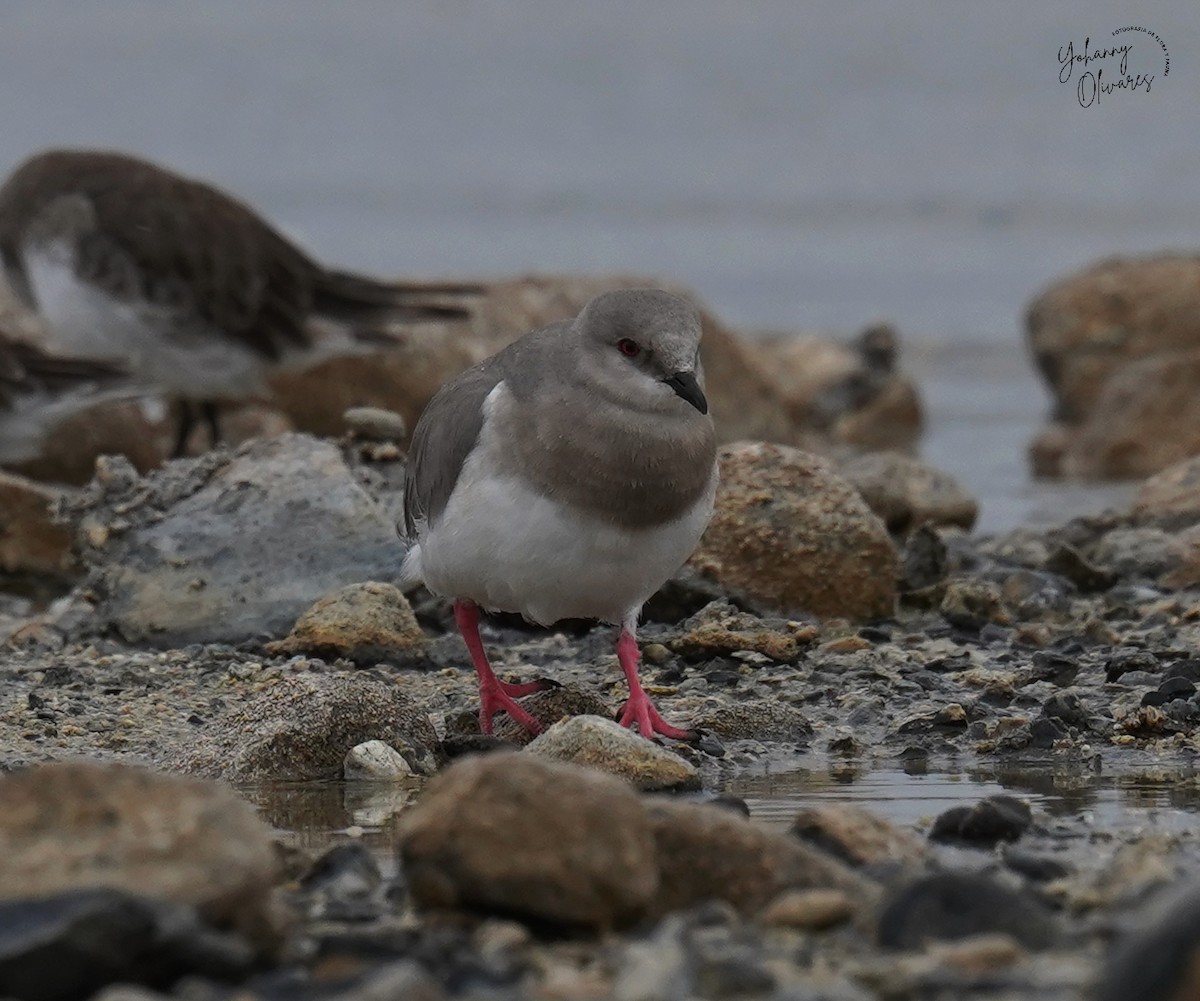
[[804, 166]]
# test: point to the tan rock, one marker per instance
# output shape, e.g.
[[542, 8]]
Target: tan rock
[[706, 852], [30, 540], [856, 836], [1088, 326], [789, 533], [514, 834], [809, 909], [906, 492], [366, 623], [1171, 495], [1146, 418], [605, 745], [76, 824]]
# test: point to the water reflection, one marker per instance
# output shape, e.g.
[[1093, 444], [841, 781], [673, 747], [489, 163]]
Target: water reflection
[[1077, 794]]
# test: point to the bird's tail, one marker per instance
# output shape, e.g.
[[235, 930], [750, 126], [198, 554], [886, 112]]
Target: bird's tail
[[365, 303], [26, 368]]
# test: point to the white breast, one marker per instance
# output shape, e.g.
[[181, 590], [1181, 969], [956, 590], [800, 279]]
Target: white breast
[[81, 319], [509, 548]]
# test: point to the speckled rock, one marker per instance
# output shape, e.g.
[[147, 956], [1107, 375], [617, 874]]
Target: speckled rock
[[719, 629], [76, 825], [515, 834], [755, 719], [229, 548], [31, 542], [596, 742], [708, 852], [548, 707], [905, 492], [303, 727], [788, 533], [365, 623]]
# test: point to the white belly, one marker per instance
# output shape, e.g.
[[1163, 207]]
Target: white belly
[[81, 319], [510, 549]]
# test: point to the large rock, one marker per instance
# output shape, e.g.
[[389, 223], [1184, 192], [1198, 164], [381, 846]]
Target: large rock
[[1146, 417], [229, 548], [1109, 342], [907, 493], [707, 852], [404, 375], [1171, 496], [790, 534], [547, 841], [303, 727], [77, 825]]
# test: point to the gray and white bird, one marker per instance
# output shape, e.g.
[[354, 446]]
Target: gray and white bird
[[38, 390], [568, 476], [187, 286]]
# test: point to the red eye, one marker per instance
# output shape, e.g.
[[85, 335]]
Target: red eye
[[630, 349]]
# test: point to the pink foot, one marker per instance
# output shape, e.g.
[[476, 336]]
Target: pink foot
[[494, 695], [639, 709]]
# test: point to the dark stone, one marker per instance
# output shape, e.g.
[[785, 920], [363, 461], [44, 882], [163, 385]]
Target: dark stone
[[950, 906], [1123, 661], [1047, 731], [1188, 669], [1066, 707], [1177, 687], [1039, 868], [1068, 562], [69, 946], [1057, 668], [986, 824], [923, 562], [1156, 698], [731, 802], [459, 745]]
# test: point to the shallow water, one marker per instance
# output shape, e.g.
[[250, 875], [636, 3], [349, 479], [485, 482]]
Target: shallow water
[[1073, 801]]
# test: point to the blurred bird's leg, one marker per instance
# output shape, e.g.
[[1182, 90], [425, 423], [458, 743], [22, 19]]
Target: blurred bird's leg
[[639, 709], [494, 695], [187, 421], [208, 410]]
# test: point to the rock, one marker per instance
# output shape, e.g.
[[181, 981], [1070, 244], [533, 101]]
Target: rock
[[373, 760], [756, 719], [302, 728], [375, 424], [344, 884], [31, 541], [79, 825], [1170, 497], [856, 836], [404, 376], [788, 533], [718, 630], [69, 945], [1089, 326], [971, 603], [986, 824], [1159, 958], [709, 852], [849, 393], [1146, 418], [229, 548], [814, 910], [1143, 552], [365, 623], [924, 561], [906, 493], [514, 834], [949, 906], [596, 742]]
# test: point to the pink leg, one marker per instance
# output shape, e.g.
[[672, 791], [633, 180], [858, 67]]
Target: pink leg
[[639, 709], [494, 695]]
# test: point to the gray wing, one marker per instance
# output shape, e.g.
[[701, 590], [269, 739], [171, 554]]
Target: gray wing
[[443, 438]]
